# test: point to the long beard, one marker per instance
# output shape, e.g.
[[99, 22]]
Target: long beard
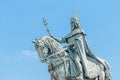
[[74, 26]]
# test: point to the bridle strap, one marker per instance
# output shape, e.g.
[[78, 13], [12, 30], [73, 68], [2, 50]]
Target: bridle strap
[[59, 52]]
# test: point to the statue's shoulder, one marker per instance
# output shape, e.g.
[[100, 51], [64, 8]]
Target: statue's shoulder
[[74, 32]]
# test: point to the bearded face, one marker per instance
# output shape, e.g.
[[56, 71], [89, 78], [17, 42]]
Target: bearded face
[[74, 23]]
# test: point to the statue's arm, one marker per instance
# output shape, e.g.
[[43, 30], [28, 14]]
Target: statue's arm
[[60, 40]]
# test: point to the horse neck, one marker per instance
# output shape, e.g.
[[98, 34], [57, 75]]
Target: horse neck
[[55, 47]]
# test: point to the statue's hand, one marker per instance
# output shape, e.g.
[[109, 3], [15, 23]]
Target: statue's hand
[[52, 37]]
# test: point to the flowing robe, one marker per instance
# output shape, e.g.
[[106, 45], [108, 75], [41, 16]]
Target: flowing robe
[[80, 52]]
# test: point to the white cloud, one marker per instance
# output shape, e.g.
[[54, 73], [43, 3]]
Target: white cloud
[[22, 54], [29, 53]]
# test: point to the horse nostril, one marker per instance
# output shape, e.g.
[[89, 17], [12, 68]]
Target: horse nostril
[[42, 60]]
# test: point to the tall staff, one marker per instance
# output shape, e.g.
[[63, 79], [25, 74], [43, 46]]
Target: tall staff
[[45, 24]]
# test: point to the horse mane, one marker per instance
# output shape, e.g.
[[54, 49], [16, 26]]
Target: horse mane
[[52, 44]]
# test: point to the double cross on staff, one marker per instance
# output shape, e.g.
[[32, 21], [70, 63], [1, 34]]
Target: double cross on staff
[[45, 24]]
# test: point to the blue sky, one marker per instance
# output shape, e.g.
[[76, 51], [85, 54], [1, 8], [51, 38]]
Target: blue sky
[[21, 22]]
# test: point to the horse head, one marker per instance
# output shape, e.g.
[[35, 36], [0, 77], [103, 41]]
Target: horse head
[[42, 50], [47, 49]]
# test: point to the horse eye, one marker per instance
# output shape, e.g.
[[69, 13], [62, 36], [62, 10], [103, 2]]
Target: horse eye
[[37, 46], [45, 50]]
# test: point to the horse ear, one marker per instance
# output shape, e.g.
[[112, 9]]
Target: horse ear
[[34, 41]]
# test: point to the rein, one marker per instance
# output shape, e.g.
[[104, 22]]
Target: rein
[[59, 52]]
